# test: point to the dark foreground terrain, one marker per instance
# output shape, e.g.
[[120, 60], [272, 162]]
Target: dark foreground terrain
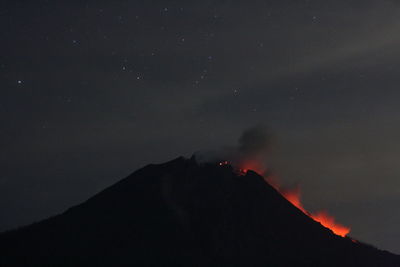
[[184, 214]]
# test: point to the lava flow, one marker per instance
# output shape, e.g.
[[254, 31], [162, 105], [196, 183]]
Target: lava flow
[[294, 197]]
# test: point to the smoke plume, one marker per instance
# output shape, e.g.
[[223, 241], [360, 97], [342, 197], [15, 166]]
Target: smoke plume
[[251, 151]]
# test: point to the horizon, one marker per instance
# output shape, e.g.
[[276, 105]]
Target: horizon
[[91, 91]]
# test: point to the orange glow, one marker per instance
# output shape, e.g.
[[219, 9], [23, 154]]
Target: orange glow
[[251, 165], [329, 222], [294, 197]]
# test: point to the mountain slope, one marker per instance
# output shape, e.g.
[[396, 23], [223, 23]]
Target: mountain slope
[[182, 213]]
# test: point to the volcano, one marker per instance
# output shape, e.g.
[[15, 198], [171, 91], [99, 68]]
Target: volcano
[[182, 213]]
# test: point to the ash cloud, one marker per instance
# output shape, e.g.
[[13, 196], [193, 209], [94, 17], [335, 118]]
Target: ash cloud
[[254, 141], [251, 151]]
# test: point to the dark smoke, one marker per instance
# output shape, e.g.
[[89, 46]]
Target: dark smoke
[[254, 141], [253, 145]]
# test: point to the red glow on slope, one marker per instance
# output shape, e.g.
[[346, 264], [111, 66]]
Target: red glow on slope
[[329, 222], [251, 165], [294, 197]]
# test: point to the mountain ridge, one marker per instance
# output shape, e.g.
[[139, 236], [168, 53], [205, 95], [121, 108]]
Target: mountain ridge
[[184, 213]]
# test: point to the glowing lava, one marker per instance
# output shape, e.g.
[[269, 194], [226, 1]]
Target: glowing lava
[[294, 197], [329, 222]]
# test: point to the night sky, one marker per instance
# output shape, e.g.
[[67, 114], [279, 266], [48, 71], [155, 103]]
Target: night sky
[[92, 90]]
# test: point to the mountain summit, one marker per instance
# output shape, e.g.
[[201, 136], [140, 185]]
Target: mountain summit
[[182, 213]]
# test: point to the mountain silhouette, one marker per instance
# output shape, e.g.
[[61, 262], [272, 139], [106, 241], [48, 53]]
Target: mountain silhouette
[[182, 213]]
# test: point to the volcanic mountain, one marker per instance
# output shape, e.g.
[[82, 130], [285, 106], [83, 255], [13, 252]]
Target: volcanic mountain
[[182, 213]]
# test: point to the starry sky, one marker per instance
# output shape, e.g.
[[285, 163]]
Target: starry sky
[[92, 90]]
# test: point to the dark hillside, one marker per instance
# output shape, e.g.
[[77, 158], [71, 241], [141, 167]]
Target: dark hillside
[[185, 214]]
